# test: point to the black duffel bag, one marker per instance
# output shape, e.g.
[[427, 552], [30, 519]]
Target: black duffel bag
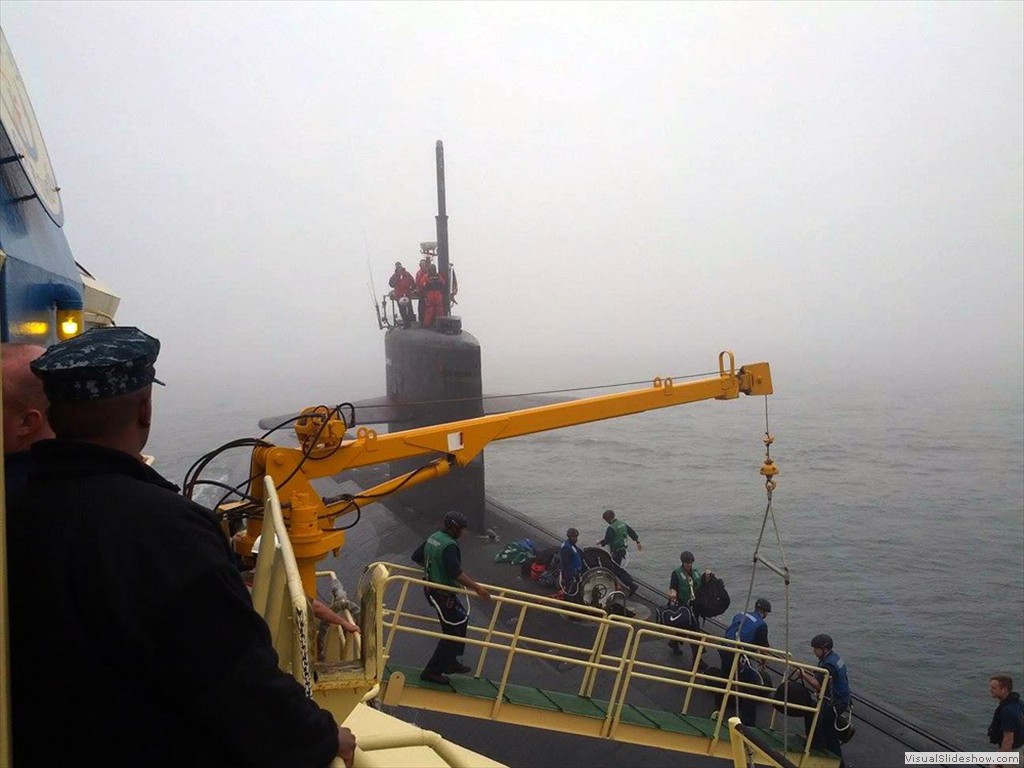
[[712, 597], [799, 694]]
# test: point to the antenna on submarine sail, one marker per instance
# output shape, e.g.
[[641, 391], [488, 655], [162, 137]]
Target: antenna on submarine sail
[[442, 230]]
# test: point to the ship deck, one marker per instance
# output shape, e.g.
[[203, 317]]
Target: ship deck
[[391, 533]]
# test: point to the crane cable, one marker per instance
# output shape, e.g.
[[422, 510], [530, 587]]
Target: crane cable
[[769, 470]]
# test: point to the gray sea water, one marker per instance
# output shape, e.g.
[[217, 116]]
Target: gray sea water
[[901, 516]]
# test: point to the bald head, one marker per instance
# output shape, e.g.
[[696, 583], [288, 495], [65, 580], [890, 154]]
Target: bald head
[[24, 402]]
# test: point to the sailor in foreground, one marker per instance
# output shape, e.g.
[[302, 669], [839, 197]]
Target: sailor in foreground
[[441, 559], [154, 655]]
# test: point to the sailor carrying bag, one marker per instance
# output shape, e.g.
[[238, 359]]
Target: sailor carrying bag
[[800, 695]]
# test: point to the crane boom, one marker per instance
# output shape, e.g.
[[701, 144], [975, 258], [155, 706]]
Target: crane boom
[[326, 452]]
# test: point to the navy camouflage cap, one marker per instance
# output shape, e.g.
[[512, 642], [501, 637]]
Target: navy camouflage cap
[[100, 363]]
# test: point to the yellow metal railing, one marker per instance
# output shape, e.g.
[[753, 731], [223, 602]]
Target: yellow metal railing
[[746, 744], [338, 644], [350, 667], [611, 651], [694, 680], [278, 596], [624, 665]]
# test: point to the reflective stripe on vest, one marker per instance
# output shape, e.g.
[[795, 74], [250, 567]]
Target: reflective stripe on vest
[[689, 581]]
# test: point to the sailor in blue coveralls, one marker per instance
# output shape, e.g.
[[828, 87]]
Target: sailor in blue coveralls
[[441, 559], [570, 566], [747, 628], [835, 709]]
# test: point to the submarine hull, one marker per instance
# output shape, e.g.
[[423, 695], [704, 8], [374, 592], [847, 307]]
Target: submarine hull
[[433, 378]]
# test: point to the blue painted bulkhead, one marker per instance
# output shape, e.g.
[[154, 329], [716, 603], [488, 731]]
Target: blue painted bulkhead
[[39, 267]]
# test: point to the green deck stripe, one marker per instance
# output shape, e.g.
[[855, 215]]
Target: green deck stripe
[[412, 675], [797, 742], [480, 687], [630, 714], [554, 701], [575, 705], [529, 697], [670, 721], [707, 726]]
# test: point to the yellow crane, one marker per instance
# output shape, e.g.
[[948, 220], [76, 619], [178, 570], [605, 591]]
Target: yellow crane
[[305, 523], [325, 451]]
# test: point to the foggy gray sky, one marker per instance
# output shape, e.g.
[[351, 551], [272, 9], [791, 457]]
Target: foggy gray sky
[[836, 188]]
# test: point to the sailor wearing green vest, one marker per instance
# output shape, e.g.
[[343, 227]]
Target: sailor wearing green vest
[[615, 539], [684, 581], [682, 591], [441, 559]]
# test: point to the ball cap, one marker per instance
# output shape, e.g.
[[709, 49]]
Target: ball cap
[[98, 364], [456, 520]]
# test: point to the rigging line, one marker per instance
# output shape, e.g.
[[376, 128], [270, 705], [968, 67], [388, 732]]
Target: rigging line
[[769, 488], [769, 512], [544, 391], [381, 314], [373, 298], [599, 386], [369, 267]]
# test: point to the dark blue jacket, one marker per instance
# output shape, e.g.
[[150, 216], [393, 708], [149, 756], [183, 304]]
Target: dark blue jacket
[[570, 559], [754, 628], [17, 467], [132, 633], [839, 681]]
